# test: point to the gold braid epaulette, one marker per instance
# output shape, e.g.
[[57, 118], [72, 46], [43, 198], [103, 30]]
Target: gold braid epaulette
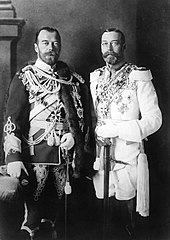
[[78, 77]]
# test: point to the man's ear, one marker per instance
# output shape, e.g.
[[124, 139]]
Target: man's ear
[[124, 46], [36, 47]]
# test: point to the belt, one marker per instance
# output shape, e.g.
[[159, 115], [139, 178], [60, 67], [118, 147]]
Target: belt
[[119, 161], [44, 125]]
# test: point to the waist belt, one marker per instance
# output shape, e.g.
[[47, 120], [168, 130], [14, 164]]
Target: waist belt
[[120, 162], [37, 125]]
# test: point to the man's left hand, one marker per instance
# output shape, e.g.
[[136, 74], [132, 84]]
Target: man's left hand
[[107, 131], [67, 141]]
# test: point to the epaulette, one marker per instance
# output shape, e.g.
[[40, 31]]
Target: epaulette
[[140, 74], [141, 68], [22, 70], [28, 67], [96, 74], [78, 77], [101, 70]]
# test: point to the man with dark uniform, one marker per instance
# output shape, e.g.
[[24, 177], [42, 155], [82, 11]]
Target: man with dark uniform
[[46, 128], [127, 112]]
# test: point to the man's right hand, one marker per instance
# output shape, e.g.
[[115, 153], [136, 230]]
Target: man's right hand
[[14, 169]]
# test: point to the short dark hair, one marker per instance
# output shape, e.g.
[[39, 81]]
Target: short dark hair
[[49, 29], [118, 31]]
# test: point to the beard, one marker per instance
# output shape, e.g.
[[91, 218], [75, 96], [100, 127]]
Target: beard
[[111, 58], [50, 58]]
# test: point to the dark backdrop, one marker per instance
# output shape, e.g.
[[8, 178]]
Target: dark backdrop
[[146, 26], [153, 51]]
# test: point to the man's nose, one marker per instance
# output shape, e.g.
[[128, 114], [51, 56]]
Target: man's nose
[[50, 46], [110, 47]]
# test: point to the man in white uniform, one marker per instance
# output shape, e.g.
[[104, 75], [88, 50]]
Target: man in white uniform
[[127, 112]]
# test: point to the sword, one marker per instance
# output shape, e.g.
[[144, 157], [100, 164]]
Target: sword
[[106, 160], [67, 190]]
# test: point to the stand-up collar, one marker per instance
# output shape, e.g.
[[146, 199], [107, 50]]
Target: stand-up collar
[[44, 66], [116, 67]]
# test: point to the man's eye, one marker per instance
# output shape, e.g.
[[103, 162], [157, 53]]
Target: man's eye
[[45, 43], [104, 43], [115, 43], [56, 44]]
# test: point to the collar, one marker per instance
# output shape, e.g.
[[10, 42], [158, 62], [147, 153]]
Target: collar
[[44, 66], [117, 66]]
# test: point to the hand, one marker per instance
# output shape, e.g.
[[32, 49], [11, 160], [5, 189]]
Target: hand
[[107, 131], [14, 169], [67, 141]]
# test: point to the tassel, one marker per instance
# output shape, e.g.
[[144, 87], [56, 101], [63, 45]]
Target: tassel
[[142, 186], [51, 139], [73, 164], [31, 147], [57, 139], [96, 165], [32, 150], [67, 188]]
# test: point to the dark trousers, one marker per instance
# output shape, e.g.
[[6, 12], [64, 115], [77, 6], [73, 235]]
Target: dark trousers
[[47, 206]]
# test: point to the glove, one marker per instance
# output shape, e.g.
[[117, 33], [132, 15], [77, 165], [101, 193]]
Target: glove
[[12, 188], [107, 131], [14, 169], [67, 141]]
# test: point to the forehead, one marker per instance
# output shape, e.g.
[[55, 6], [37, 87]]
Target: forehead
[[111, 36], [46, 35]]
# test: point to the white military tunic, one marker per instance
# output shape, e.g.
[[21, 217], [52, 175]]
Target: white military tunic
[[130, 103]]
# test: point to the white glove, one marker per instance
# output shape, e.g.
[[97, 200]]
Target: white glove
[[107, 131], [14, 169], [67, 141]]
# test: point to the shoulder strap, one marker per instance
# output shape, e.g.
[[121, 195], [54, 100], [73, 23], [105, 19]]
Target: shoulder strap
[[140, 75]]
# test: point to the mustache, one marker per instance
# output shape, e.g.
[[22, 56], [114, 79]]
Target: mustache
[[110, 53], [51, 53]]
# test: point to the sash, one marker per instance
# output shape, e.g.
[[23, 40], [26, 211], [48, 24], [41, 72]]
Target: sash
[[41, 107]]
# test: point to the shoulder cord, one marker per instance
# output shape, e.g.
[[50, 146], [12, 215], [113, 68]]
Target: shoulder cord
[[69, 82]]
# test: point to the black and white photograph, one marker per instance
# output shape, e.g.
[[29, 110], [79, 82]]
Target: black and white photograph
[[84, 120]]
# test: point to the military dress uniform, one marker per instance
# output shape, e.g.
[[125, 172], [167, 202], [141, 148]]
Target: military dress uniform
[[127, 99], [43, 104]]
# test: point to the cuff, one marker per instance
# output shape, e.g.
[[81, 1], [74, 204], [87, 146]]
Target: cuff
[[13, 157]]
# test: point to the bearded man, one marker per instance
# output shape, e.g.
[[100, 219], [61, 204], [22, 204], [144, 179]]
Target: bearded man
[[45, 128], [127, 112]]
